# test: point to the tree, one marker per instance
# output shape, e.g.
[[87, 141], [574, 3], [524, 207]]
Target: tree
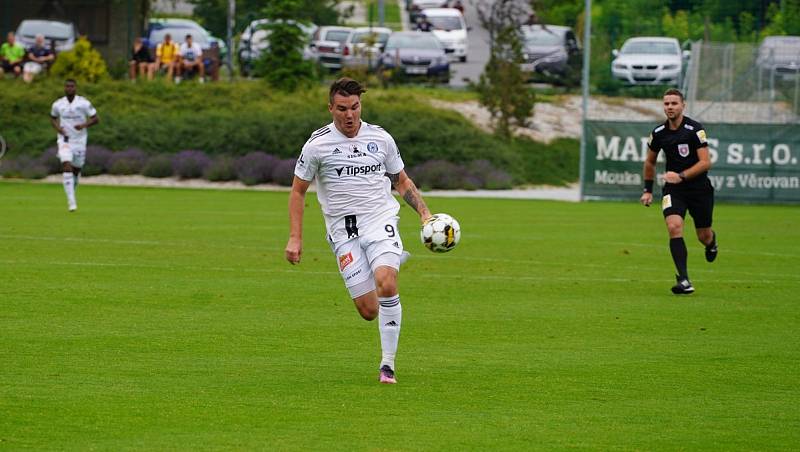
[[282, 64], [502, 86], [214, 13]]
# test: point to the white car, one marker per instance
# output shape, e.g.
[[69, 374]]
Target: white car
[[649, 61], [62, 34], [364, 46], [449, 26]]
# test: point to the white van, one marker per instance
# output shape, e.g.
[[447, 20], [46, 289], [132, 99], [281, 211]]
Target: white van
[[448, 25]]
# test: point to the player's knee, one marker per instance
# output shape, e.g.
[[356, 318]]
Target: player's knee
[[368, 313]]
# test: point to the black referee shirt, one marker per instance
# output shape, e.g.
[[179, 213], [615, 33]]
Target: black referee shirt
[[680, 148]]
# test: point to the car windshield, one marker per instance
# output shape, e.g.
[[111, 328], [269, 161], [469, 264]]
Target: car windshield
[[420, 41], [445, 23], [178, 35], [337, 35], [542, 38], [380, 38], [50, 30], [650, 48]]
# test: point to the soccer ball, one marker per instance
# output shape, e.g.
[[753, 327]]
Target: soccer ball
[[440, 233]]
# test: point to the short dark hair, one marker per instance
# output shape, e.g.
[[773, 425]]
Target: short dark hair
[[346, 87], [70, 80], [673, 92], [188, 36]]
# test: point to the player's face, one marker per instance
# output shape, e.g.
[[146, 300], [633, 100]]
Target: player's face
[[673, 106], [69, 89], [346, 111]]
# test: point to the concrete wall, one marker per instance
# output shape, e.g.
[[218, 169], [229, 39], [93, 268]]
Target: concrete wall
[[110, 25]]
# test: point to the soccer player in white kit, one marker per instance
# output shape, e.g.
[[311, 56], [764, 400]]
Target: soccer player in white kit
[[71, 115], [355, 165]]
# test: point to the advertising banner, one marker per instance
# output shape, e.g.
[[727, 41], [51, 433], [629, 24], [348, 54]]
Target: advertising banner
[[757, 163]]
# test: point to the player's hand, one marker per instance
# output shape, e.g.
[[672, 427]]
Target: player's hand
[[672, 177], [293, 250], [646, 199], [425, 217], [79, 126]]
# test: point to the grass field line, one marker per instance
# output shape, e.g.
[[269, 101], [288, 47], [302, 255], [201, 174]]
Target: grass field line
[[324, 272], [790, 277], [724, 250]]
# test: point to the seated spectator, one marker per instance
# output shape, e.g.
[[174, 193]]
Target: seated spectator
[[167, 54], [423, 24], [141, 61], [38, 57], [191, 59], [11, 55]]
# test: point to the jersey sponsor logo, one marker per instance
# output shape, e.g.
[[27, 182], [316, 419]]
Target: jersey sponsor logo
[[683, 150], [372, 147], [690, 127], [701, 135], [336, 151], [356, 170], [345, 260]]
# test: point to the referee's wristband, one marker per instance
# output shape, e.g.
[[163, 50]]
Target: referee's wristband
[[648, 186]]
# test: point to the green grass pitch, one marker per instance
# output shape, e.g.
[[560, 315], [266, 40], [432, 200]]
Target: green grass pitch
[[168, 319]]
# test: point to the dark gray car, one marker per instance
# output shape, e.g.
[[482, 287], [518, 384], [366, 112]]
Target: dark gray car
[[551, 51]]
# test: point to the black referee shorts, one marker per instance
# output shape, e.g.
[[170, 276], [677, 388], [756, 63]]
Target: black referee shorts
[[699, 201]]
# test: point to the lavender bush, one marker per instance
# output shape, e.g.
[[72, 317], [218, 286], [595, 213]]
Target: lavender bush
[[190, 164], [283, 174], [98, 160], [256, 167], [222, 169], [438, 174], [24, 167], [486, 175], [159, 165], [129, 161], [49, 160]]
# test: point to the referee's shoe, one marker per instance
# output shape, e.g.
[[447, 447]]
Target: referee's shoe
[[711, 250], [683, 287]]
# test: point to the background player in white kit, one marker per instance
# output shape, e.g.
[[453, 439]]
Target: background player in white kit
[[356, 164], [71, 115]]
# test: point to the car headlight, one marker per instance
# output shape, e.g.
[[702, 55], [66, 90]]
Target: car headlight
[[670, 67], [621, 67]]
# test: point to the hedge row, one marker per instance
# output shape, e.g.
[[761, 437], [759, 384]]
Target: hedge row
[[236, 119], [253, 168]]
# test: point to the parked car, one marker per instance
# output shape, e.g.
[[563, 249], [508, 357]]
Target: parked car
[[61, 34], [449, 26], [327, 45], [415, 54], [364, 46], [255, 39], [649, 61], [551, 51], [178, 29], [415, 7], [780, 55]]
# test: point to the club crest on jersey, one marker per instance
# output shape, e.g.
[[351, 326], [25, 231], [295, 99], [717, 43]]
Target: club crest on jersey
[[683, 150], [372, 147], [345, 260]]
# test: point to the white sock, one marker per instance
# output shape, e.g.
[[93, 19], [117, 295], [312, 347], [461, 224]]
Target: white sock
[[69, 188], [390, 315]]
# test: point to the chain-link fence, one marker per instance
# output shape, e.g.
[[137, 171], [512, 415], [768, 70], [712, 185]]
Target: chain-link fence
[[744, 83]]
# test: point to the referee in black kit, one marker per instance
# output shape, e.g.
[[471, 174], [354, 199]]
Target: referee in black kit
[[686, 184]]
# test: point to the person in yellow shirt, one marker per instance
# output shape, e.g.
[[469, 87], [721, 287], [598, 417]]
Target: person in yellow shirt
[[167, 55]]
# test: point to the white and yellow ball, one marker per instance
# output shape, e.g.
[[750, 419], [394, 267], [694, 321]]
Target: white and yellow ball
[[440, 233]]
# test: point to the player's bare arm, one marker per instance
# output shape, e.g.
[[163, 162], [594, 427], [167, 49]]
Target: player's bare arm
[[54, 122], [408, 190], [297, 198], [649, 173], [92, 121], [703, 164]]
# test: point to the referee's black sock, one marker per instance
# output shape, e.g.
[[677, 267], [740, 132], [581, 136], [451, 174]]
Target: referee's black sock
[[678, 249]]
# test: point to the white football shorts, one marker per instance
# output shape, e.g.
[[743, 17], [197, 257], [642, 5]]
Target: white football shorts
[[76, 155], [357, 258]]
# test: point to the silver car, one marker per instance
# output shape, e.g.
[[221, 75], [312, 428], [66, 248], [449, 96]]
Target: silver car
[[364, 46], [780, 56], [649, 61], [62, 34], [327, 45]]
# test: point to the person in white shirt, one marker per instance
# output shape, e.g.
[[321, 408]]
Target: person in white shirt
[[355, 165], [71, 115], [191, 58]]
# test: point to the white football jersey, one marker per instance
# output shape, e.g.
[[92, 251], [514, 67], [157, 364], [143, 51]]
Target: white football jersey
[[70, 114], [351, 184]]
